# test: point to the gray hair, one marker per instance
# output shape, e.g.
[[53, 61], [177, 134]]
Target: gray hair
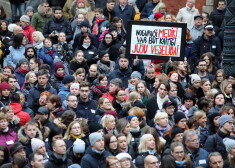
[[213, 154], [188, 133]]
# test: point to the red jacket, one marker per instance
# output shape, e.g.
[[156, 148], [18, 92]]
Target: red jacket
[[24, 117], [28, 32]]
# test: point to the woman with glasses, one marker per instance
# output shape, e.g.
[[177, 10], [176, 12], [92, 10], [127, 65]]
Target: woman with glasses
[[104, 105], [220, 76], [125, 160], [181, 158], [112, 162], [110, 142], [119, 100]]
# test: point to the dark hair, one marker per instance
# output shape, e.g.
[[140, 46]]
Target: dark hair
[[109, 1], [1, 22], [69, 95], [10, 67], [67, 117], [166, 84], [107, 138], [219, 93], [17, 40], [201, 60], [84, 84], [54, 131], [101, 77], [83, 37], [15, 98], [207, 14], [19, 160], [3, 13], [11, 76], [203, 102], [36, 60], [35, 53], [47, 38], [43, 72], [189, 96], [168, 162], [55, 99], [6, 154], [100, 10], [57, 8], [32, 156], [45, 67]]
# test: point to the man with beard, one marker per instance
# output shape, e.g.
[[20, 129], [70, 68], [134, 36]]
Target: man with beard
[[30, 52], [202, 71]]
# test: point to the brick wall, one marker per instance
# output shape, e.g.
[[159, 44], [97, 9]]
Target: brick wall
[[173, 6]]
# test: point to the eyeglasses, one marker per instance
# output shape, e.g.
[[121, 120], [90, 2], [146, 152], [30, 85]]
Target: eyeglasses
[[108, 37], [31, 63], [179, 153]]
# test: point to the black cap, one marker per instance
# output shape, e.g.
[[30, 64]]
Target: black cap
[[167, 104], [15, 148], [198, 16], [43, 110]]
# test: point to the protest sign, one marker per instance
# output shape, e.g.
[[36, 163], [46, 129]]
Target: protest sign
[[156, 40]]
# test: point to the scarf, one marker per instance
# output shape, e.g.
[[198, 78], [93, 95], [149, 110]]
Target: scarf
[[96, 151], [60, 77], [131, 87], [95, 29], [160, 130], [181, 163], [158, 71], [50, 51], [86, 45], [76, 136], [135, 129], [160, 101], [152, 152], [23, 71]]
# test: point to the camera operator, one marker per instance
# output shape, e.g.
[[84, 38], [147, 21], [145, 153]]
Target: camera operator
[[57, 24]]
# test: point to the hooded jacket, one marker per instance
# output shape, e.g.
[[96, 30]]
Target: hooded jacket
[[40, 18], [24, 117], [28, 32]]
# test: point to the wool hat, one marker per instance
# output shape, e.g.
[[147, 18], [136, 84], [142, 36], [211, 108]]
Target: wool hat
[[29, 8], [94, 137], [139, 104], [68, 79], [84, 24], [198, 16], [4, 85], [136, 74], [116, 82], [21, 61], [102, 53], [94, 127], [223, 119], [43, 110], [111, 112], [58, 65], [178, 116], [176, 130], [158, 61], [79, 146], [76, 85], [121, 156], [194, 77], [11, 27], [15, 148], [36, 144], [130, 117], [112, 28], [157, 15], [25, 18], [228, 143], [167, 104]]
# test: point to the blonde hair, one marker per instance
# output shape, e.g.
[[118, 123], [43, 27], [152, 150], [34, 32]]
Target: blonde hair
[[198, 115], [163, 18], [28, 74], [223, 86], [39, 35], [158, 6], [67, 134], [142, 145], [160, 115], [105, 119], [132, 98]]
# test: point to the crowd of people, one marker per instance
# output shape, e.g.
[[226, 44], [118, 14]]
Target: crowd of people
[[70, 98]]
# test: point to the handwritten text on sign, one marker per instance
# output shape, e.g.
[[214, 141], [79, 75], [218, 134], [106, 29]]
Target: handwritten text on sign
[[155, 40]]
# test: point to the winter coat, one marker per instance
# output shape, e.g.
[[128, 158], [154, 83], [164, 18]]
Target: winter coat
[[199, 157], [58, 123], [55, 162], [20, 76], [4, 101], [14, 124], [195, 32], [48, 58], [139, 161], [77, 42], [147, 10], [55, 3], [97, 91], [66, 9], [86, 109], [55, 82], [24, 117], [74, 65], [186, 15], [26, 141], [135, 139], [127, 14], [202, 45], [149, 83], [63, 92], [111, 48], [28, 33], [217, 17], [108, 14], [34, 4], [89, 54], [214, 143], [16, 1], [70, 155], [94, 160], [8, 138], [34, 95], [40, 18], [14, 56], [28, 110], [105, 68], [59, 25], [124, 75]]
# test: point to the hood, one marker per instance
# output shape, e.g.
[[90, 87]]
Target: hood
[[47, 14], [57, 122], [25, 139], [16, 107]]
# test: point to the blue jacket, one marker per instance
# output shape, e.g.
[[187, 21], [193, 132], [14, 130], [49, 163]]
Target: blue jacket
[[34, 95], [94, 160], [63, 92], [47, 58], [14, 56], [86, 109], [148, 10], [120, 74], [199, 158], [20, 76]]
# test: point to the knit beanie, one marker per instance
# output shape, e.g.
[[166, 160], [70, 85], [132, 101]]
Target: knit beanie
[[194, 77], [130, 117], [21, 61], [158, 61], [157, 15], [94, 137], [74, 166], [121, 156], [25, 18], [29, 8], [36, 144], [4, 85], [228, 143], [136, 74], [68, 79], [223, 119], [116, 82], [11, 27], [58, 65], [84, 24], [76, 85], [176, 130], [94, 127], [79, 146], [102, 53], [178, 116], [111, 112]]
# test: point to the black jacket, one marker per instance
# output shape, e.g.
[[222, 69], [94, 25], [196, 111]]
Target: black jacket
[[55, 3], [55, 162]]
